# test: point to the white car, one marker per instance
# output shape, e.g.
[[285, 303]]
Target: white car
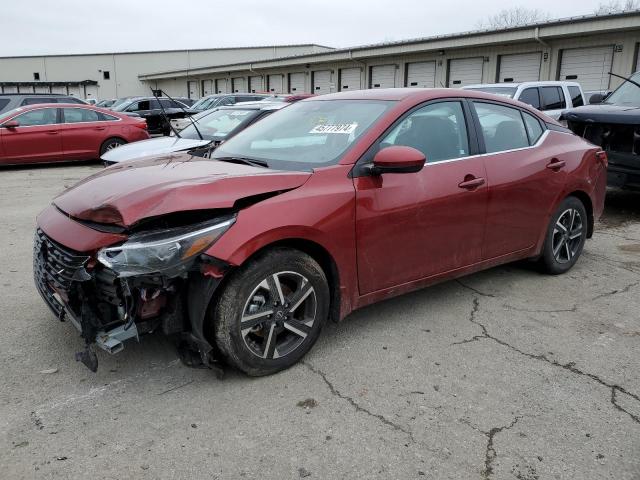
[[552, 97], [212, 127]]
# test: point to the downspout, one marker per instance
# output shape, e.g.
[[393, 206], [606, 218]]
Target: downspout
[[364, 67], [257, 73]]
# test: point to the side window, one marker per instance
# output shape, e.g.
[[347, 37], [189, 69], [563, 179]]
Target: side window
[[79, 115], [502, 127], [437, 130], [227, 101], [534, 129], [531, 97], [134, 107], [552, 98], [576, 96], [108, 118], [37, 100], [43, 116]]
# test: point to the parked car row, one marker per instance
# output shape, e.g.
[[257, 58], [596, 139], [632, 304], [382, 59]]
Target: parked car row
[[54, 132], [316, 210]]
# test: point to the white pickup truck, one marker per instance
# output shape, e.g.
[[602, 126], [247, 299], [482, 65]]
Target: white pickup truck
[[552, 97]]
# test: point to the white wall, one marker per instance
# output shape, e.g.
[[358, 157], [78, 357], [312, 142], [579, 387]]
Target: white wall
[[124, 68]]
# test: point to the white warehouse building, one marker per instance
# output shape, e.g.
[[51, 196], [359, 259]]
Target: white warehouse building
[[112, 75], [582, 49]]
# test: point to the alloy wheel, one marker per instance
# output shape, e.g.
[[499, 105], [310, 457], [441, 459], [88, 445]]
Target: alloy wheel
[[567, 235], [112, 145], [278, 315]]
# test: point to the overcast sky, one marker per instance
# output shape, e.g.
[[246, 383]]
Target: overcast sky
[[32, 27]]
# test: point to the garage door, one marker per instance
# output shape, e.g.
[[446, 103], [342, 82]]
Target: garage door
[[465, 71], [45, 89], [221, 85], [296, 83], [74, 90], [192, 89], [25, 89], [90, 91], [10, 89], [383, 76], [207, 87], [255, 84], [587, 66], [421, 74], [238, 85], [524, 67], [349, 79], [275, 83], [321, 82], [58, 89]]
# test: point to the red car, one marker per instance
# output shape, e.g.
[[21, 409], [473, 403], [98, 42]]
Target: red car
[[64, 132], [326, 206]]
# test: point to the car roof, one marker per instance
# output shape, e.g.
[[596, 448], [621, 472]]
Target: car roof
[[35, 95], [537, 83], [255, 106]]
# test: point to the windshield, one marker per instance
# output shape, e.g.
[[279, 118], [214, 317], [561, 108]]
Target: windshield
[[627, 93], [218, 124], [508, 92], [120, 106], [305, 135], [205, 103], [9, 113]]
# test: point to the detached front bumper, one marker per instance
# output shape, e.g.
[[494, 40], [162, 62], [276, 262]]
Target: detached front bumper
[[623, 170]]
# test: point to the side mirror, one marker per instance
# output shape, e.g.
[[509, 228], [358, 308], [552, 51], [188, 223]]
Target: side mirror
[[11, 124], [596, 98], [398, 159]]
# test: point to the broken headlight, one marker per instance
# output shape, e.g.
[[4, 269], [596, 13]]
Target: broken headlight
[[160, 251]]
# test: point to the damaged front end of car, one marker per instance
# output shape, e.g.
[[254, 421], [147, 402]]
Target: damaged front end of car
[[158, 278]]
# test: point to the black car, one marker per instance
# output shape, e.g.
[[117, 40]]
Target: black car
[[154, 110], [9, 101], [613, 122]]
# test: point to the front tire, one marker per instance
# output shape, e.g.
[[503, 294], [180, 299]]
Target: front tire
[[271, 311], [566, 235]]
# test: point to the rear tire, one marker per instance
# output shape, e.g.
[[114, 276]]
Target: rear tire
[[110, 144], [271, 311], [565, 238]]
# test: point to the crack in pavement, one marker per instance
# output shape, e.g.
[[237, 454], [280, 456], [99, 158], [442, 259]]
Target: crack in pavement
[[543, 358], [560, 310], [490, 452], [616, 292], [359, 408], [469, 287]]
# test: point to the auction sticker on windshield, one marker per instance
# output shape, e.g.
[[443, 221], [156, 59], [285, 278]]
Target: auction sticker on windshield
[[347, 128]]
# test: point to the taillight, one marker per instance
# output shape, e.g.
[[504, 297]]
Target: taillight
[[602, 158], [142, 124]]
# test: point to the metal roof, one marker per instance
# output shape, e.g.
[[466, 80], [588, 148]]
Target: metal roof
[[326, 56], [132, 52]]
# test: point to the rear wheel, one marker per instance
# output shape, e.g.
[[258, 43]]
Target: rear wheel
[[566, 235], [271, 312], [110, 144]]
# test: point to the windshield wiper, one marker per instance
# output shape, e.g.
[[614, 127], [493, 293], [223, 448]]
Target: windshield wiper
[[625, 79], [193, 121], [245, 160]]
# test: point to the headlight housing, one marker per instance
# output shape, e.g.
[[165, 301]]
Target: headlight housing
[[161, 251]]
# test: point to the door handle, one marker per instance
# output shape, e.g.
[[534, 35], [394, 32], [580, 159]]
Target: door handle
[[556, 164], [99, 128], [52, 132], [470, 182]]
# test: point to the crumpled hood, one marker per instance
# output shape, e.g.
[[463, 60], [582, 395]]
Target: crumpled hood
[[128, 192], [603, 113], [152, 146]]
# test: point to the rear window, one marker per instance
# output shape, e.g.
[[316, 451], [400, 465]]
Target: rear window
[[576, 96]]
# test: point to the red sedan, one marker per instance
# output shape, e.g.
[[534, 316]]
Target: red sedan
[[326, 206], [60, 133]]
